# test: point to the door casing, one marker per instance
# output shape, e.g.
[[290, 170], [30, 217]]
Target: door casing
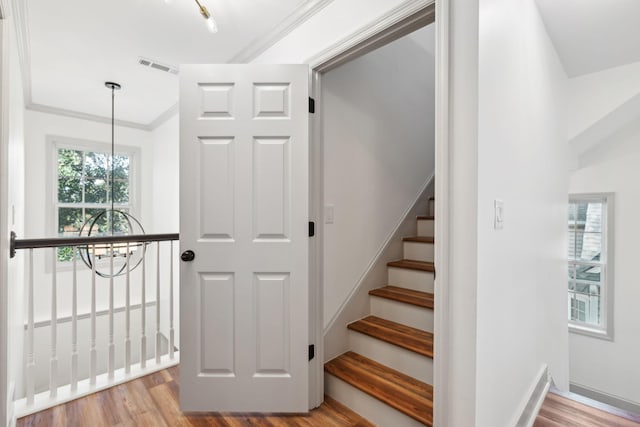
[[400, 21]]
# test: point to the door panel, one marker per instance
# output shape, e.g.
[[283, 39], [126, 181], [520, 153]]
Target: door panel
[[244, 212]]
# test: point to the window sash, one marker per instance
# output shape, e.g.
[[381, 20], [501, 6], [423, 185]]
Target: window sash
[[576, 227], [85, 147]]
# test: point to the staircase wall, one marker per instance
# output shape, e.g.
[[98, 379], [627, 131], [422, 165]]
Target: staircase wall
[[357, 304], [378, 113]]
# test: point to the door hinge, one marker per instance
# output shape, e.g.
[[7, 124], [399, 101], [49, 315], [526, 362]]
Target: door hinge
[[312, 228], [312, 105], [312, 351]]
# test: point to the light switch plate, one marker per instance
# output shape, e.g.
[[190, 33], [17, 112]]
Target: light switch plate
[[328, 214], [498, 215]]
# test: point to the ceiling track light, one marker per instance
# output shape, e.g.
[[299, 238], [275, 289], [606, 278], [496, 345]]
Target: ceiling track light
[[211, 23]]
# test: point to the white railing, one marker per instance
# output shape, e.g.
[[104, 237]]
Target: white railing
[[63, 387]]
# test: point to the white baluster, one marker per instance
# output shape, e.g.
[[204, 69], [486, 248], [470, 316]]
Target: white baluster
[[31, 362], [171, 333], [158, 335], [53, 371], [92, 349], [74, 326], [143, 318], [127, 338], [112, 347]]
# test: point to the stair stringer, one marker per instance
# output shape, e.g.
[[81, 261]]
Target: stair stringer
[[357, 305]]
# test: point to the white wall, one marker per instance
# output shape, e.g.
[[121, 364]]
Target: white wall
[[611, 367], [39, 125], [166, 177], [593, 96], [38, 213], [166, 209], [522, 160], [378, 113]]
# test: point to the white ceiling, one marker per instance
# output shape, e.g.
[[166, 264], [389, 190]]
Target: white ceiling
[[74, 46], [593, 35]]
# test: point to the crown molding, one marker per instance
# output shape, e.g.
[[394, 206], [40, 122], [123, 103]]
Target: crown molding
[[252, 51], [163, 117], [85, 116], [287, 25]]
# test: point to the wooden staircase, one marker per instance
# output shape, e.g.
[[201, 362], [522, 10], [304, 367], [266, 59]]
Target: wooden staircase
[[387, 375]]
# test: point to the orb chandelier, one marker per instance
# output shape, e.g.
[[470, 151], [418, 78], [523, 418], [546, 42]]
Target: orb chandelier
[[112, 222]]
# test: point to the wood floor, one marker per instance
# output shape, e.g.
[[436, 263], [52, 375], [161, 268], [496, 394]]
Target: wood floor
[[561, 411], [153, 401]]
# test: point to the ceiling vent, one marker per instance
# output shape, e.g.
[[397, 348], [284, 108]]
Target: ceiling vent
[[157, 65]]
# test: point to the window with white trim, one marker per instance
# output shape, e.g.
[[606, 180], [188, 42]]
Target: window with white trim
[[590, 302], [83, 172]]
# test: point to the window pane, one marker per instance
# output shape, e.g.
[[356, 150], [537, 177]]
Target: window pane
[[97, 226], [121, 167], [590, 247], [66, 253], [69, 221], [588, 273], [96, 165], [95, 190], [586, 307], [69, 176], [572, 275], [585, 232], [572, 243], [594, 217], [121, 192], [572, 213]]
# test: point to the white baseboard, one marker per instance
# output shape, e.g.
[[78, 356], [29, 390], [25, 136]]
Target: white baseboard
[[601, 396], [531, 406]]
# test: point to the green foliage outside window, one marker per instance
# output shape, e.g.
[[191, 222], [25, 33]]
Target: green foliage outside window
[[84, 191]]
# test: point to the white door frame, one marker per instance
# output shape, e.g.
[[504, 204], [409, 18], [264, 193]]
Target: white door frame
[[404, 19], [4, 209]]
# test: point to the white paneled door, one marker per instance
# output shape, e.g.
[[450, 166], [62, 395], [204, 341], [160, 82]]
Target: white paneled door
[[243, 214]]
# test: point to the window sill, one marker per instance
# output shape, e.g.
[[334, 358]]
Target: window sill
[[590, 332]]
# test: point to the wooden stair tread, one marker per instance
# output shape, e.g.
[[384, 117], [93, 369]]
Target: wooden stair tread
[[418, 239], [408, 296], [412, 265], [402, 392], [427, 217], [404, 336], [337, 410]]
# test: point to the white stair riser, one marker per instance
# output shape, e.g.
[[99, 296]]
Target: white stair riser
[[365, 405], [417, 280], [426, 227], [400, 312], [432, 207], [418, 251], [403, 360]]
